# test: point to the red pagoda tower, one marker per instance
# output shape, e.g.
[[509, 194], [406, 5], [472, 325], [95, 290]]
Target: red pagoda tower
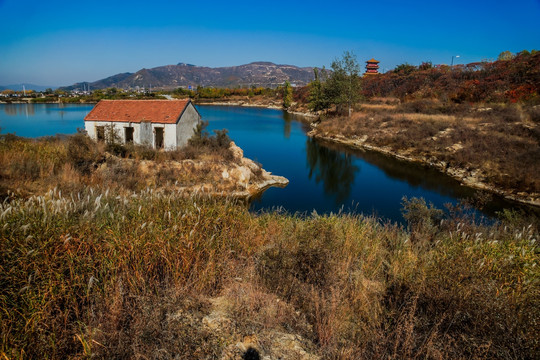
[[372, 67]]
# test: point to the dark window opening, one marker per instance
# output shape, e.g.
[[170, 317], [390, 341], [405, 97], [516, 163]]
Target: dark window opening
[[128, 134], [159, 138], [100, 132]]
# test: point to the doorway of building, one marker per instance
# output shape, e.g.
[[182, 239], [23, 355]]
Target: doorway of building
[[100, 133], [128, 134], [159, 138]]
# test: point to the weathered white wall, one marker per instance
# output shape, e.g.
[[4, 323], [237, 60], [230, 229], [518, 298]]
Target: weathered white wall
[[146, 136], [187, 125], [169, 137], [90, 127]]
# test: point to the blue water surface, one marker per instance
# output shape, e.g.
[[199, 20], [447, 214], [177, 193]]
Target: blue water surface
[[35, 120], [323, 177]]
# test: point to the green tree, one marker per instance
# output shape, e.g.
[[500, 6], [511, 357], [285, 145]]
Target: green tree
[[343, 87], [405, 69], [317, 99], [287, 95], [505, 56]]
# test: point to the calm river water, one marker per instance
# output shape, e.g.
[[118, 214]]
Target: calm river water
[[322, 177]]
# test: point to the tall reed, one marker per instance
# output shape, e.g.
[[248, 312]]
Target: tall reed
[[116, 274]]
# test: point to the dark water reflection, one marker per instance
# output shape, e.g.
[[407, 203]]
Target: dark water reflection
[[415, 175], [336, 170]]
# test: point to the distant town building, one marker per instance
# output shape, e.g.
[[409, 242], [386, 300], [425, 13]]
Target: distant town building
[[372, 67], [164, 124]]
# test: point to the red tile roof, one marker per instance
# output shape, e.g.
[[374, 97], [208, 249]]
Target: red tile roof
[[136, 111]]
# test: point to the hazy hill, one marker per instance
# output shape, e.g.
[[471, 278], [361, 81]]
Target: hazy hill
[[265, 74]]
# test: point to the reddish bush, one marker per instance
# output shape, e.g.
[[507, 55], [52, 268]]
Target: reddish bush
[[516, 80]]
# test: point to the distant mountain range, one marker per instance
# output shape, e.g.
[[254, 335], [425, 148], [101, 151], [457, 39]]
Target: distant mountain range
[[19, 87], [265, 74]]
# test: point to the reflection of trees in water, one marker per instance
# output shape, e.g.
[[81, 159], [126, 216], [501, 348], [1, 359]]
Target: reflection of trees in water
[[287, 124], [334, 169], [19, 109], [415, 175], [419, 176], [10, 109]]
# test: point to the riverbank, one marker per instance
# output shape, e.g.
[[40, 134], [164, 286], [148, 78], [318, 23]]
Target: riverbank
[[118, 251], [494, 149], [468, 177]]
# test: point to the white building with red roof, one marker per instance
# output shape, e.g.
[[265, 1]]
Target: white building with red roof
[[164, 124]]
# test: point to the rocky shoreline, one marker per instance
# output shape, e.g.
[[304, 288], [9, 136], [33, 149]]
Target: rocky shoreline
[[239, 178], [469, 177], [247, 177]]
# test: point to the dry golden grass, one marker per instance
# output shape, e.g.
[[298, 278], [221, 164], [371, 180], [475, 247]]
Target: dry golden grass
[[30, 166], [377, 107], [111, 275]]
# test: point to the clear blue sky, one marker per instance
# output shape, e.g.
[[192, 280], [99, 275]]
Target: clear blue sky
[[61, 42]]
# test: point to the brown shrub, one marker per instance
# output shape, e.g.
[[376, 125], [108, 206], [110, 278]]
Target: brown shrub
[[163, 326], [255, 310], [123, 175], [167, 174], [534, 114], [84, 153], [505, 113]]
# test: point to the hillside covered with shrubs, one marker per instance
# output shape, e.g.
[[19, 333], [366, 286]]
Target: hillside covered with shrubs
[[509, 79]]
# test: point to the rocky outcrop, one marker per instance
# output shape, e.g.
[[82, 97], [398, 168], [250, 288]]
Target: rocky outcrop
[[250, 176], [278, 345], [473, 178], [237, 177]]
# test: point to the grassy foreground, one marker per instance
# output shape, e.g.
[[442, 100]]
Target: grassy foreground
[[98, 264], [97, 273]]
